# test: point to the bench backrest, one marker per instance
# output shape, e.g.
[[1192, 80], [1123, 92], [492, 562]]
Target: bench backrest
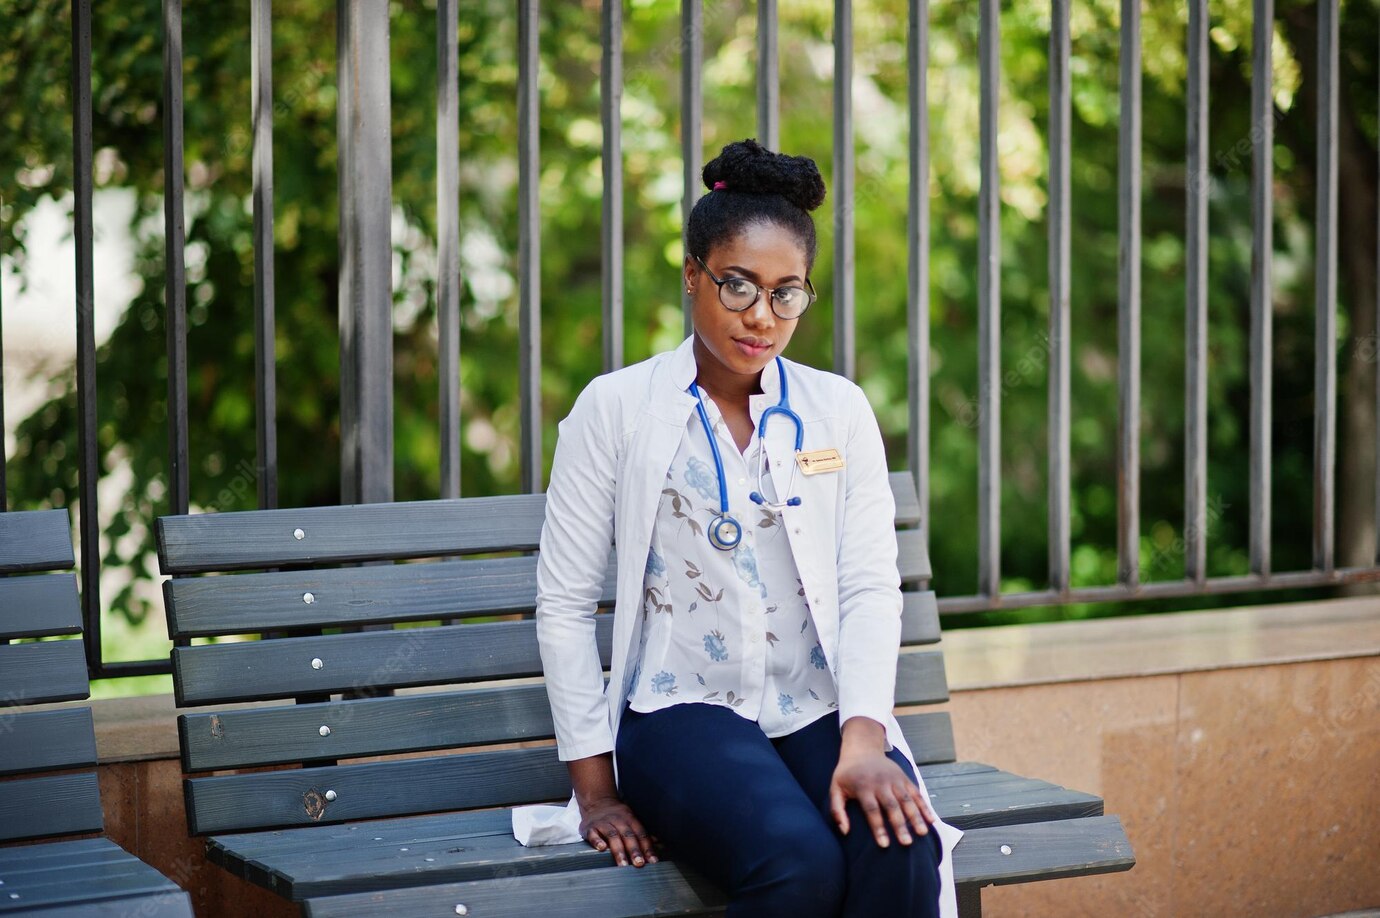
[[336, 647], [36, 605]]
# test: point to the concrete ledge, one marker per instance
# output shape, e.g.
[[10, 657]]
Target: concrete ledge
[[1145, 645]]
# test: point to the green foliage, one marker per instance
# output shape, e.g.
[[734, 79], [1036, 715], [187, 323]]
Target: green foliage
[[35, 148]]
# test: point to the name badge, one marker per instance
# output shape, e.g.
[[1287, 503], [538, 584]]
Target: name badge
[[818, 461]]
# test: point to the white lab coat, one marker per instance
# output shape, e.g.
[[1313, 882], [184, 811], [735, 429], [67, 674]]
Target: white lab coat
[[611, 460]]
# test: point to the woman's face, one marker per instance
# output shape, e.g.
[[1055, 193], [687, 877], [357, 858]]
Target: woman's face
[[742, 343]]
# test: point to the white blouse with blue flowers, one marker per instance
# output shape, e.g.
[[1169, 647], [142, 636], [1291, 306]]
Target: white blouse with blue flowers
[[726, 627]]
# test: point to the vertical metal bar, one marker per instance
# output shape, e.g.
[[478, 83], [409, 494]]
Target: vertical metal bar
[[1262, 258], [845, 352], [448, 241], [918, 246], [691, 112], [529, 248], [3, 503], [1059, 346], [366, 252], [174, 242], [610, 108], [989, 304], [768, 77], [1325, 385], [265, 378], [1195, 312], [88, 456], [1376, 326], [1128, 304]]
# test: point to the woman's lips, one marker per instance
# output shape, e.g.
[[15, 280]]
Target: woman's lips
[[750, 348]]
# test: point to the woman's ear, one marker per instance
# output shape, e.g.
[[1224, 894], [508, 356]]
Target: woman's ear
[[688, 274]]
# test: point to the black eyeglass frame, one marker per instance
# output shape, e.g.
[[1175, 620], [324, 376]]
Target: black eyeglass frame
[[808, 290]]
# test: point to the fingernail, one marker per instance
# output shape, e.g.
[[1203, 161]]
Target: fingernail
[[637, 861], [905, 838]]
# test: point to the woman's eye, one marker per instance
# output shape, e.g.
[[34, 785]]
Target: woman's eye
[[738, 287], [788, 296]]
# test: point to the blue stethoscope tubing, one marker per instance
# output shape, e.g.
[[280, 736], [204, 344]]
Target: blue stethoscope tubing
[[724, 531]]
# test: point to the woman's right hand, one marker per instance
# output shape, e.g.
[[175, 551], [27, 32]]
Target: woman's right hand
[[608, 824]]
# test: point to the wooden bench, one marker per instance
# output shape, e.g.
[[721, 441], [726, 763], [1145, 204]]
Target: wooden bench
[[351, 837], [42, 795]]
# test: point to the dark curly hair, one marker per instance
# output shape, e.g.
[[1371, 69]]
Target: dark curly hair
[[750, 184]]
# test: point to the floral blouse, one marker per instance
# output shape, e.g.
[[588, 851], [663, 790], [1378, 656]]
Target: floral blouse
[[726, 627]]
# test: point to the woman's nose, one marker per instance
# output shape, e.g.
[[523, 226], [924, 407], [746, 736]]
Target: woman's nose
[[759, 314]]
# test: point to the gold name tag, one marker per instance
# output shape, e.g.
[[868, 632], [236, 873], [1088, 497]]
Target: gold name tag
[[819, 460]]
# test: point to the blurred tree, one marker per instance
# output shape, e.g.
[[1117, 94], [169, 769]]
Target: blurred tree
[[35, 150]]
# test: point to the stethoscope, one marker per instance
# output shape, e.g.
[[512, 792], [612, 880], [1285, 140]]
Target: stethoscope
[[724, 531]]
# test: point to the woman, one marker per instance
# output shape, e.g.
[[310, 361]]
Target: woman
[[757, 617]]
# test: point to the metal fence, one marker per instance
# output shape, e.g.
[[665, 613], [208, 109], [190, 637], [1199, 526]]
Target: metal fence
[[365, 196]]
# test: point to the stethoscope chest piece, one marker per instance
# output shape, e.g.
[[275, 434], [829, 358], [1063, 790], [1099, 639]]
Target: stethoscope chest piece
[[725, 533]]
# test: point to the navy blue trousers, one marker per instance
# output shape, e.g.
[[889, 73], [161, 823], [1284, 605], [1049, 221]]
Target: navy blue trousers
[[751, 813]]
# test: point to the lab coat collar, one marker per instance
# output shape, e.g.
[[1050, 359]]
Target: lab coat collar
[[683, 371]]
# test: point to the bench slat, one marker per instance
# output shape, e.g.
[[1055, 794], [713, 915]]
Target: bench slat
[[415, 723], [43, 740], [930, 736], [1076, 847], [35, 540], [249, 603], [39, 605], [263, 670], [193, 543], [43, 671], [355, 532], [363, 726], [400, 787], [919, 618], [51, 805]]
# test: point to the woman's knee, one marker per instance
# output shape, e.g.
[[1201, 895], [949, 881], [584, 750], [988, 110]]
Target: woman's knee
[[801, 873]]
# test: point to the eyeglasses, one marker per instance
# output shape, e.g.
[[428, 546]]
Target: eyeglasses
[[739, 294]]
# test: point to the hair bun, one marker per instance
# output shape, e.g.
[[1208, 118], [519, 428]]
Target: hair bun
[[747, 166]]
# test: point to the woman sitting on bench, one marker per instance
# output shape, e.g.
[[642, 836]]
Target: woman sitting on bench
[[747, 730]]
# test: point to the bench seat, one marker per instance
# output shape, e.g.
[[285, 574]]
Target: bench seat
[[1072, 847], [81, 877], [325, 860]]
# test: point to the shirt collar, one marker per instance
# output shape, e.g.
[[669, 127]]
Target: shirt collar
[[683, 374]]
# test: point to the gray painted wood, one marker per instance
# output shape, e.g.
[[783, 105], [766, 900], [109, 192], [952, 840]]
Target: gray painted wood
[[50, 805], [1128, 298], [1262, 286], [367, 532], [930, 736], [365, 726], [199, 606], [657, 889], [295, 797], [413, 723], [42, 740], [1071, 848], [42, 671], [919, 618], [35, 540], [85, 877], [39, 605], [260, 670]]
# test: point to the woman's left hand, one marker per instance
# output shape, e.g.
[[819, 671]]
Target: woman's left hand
[[883, 791]]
